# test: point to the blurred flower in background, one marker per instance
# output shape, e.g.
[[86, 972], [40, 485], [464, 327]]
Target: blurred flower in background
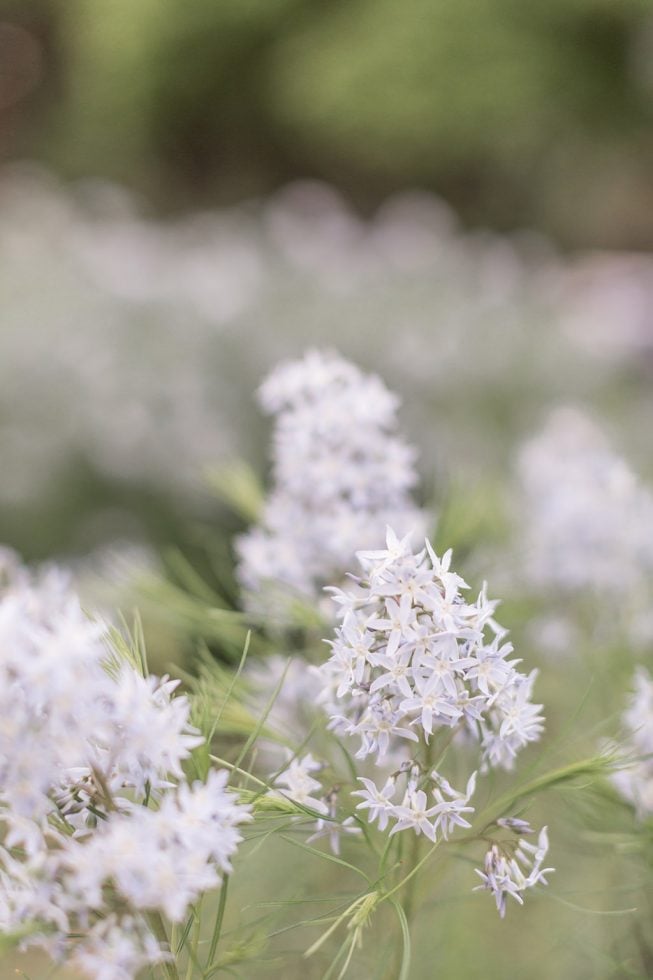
[[130, 346]]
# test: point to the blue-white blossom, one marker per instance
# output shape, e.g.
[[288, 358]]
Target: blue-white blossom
[[412, 662]]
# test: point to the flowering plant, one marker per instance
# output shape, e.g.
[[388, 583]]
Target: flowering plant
[[133, 814], [106, 834]]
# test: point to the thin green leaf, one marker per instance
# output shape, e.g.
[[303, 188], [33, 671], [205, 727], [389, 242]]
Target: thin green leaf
[[327, 857], [232, 685], [184, 935], [405, 935], [217, 928]]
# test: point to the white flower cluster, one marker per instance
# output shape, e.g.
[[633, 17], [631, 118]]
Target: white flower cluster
[[635, 783], [99, 825], [413, 811], [340, 474], [158, 858], [511, 872], [70, 726], [297, 784], [411, 660], [588, 520]]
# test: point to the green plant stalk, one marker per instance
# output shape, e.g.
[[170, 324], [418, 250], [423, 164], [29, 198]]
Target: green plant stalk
[[192, 949], [411, 874], [413, 860], [407, 907], [168, 967], [593, 766], [217, 928]]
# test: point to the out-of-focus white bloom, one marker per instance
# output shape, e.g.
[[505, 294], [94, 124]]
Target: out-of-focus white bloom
[[159, 859], [107, 577], [588, 522], [508, 872], [298, 785], [98, 822], [68, 726], [334, 830], [292, 715], [333, 827], [635, 783], [340, 474], [604, 289], [116, 949], [556, 635], [410, 662], [151, 729], [160, 328]]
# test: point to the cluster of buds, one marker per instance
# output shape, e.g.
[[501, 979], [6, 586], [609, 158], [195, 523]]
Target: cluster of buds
[[510, 869]]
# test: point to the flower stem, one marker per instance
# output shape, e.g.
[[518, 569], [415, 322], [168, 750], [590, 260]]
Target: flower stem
[[169, 967], [217, 928], [192, 949], [409, 900]]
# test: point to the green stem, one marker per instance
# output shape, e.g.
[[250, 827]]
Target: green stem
[[217, 928], [409, 900], [385, 856], [169, 967], [411, 874], [192, 949], [562, 775], [241, 772]]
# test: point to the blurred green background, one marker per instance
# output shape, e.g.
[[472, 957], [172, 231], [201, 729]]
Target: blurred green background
[[519, 114]]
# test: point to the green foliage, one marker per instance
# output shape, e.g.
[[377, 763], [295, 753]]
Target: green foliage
[[459, 78], [194, 615], [237, 486], [127, 645], [499, 104]]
